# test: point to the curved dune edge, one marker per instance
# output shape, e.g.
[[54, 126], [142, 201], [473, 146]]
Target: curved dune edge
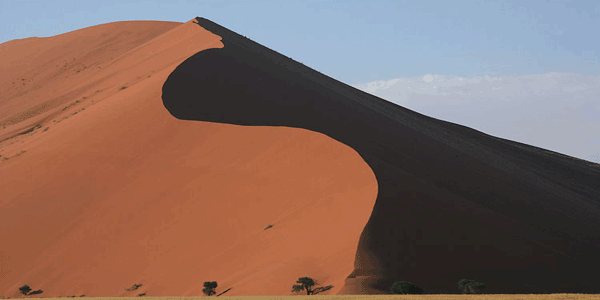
[[452, 202], [122, 193]]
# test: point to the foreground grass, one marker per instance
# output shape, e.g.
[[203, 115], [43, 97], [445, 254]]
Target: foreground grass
[[363, 297]]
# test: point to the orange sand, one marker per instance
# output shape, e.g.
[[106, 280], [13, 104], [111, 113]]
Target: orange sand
[[122, 192]]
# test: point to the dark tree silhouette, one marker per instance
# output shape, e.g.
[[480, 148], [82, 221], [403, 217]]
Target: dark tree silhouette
[[468, 286], [25, 289], [405, 287], [209, 288], [305, 283]]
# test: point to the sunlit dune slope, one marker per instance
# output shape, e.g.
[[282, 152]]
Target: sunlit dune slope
[[452, 202], [118, 191], [40, 75]]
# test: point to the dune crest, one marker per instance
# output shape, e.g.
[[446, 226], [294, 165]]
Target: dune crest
[[452, 202]]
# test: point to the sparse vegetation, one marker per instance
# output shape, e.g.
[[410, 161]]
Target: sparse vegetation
[[141, 294], [209, 288], [133, 287], [25, 289], [307, 283], [468, 286], [122, 87], [405, 287]]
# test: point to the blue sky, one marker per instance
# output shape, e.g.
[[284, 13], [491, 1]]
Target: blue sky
[[522, 70]]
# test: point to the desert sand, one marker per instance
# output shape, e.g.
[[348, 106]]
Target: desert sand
[[160, 152], [374, 297], [123, 192]]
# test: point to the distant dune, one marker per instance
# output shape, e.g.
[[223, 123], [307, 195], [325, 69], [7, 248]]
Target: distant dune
[[169, 154]]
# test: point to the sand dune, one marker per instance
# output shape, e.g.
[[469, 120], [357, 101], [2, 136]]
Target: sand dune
[[452, 202], [171, 147], [122, 192], [381, 297]]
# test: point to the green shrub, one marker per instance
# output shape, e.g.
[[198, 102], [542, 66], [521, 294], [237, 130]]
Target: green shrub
[[405, 287], [468, 286]]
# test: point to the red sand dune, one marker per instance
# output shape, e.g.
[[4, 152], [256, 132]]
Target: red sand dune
[[122, 192], [158, 184]]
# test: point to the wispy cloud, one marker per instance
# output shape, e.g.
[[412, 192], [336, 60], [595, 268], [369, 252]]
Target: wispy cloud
[[556, 111]]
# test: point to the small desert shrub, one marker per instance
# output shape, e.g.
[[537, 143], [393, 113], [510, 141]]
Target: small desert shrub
[[209, 288], [25, 289], [133, 287], [305, 283], [122, 88], [468, 286], [405, 287], [141, 294]]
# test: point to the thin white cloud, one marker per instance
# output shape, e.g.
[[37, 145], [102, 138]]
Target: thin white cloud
[[556, 111]]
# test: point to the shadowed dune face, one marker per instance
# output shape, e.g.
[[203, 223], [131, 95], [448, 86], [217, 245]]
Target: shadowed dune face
[[452, 202]]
